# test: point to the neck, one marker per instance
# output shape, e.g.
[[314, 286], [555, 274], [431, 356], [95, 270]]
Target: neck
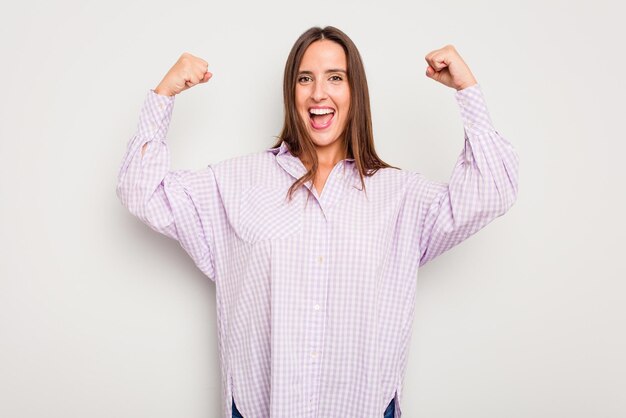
[[330, 155]]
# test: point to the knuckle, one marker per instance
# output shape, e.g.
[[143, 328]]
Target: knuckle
[[187, 58]]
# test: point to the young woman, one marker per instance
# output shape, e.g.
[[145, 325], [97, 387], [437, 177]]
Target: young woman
[[315, 243]]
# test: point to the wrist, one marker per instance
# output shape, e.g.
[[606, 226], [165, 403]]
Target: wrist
[[162, 91], [466, 85]]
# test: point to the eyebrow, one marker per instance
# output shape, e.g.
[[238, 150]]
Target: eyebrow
[[332, 70]]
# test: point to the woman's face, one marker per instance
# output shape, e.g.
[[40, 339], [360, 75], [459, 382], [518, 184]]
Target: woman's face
[[323, 93]]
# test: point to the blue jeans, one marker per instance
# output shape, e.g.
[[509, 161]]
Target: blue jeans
[[389, 412]]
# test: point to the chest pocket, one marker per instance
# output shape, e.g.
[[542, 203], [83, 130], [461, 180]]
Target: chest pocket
[[265, 214]]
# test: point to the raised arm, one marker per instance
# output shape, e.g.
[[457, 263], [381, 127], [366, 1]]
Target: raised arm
[[180, 204], [484, 182]]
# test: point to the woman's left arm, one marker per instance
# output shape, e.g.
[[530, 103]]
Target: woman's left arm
[[484, 182]]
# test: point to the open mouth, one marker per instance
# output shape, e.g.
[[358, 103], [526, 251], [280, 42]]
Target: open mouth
[[321, 118]]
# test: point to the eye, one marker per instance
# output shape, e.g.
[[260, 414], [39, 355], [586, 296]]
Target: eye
[[304, 78], [336, 78]]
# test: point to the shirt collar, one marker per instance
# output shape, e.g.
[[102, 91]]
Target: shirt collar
[[284, 149], [292, 165]]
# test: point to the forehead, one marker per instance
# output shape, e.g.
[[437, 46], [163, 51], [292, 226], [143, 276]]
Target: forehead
[[323, 54]]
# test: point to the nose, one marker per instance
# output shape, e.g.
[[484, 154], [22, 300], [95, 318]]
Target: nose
[[319, 91]]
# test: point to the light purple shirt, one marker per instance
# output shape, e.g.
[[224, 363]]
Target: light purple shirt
[[315, 301]]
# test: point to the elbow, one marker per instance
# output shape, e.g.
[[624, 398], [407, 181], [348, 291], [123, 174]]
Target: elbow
[[491, 208], [510, 195], [507, 199], [507, 189], [130, 197], [512, 198], [121, 192]]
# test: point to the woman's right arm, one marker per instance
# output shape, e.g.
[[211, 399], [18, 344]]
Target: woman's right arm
[[180, 204]]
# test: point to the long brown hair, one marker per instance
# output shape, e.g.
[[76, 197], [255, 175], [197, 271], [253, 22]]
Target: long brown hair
[[358, 133]]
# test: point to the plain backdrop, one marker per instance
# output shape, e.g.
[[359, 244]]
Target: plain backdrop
[[102, 317]]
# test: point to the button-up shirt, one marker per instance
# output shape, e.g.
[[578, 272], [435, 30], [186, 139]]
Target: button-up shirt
[[315, 297]]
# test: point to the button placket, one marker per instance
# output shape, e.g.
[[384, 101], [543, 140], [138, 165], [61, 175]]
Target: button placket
[[316, 318], [317, 295]]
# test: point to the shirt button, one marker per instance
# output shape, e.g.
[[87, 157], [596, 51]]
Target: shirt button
[[469, 125], [314, 354], [152, 125], [161, 105], [317, 307], [320, 259]]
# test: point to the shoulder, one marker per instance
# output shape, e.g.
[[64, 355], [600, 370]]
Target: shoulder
[[236, 174], [389, 177], [407, 183], [249, 163], [243, 160]]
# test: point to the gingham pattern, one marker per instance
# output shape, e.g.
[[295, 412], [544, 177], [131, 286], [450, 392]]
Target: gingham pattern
[[315, 299]]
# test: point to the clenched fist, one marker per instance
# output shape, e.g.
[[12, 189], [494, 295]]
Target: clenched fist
[[446, 66], [188, 71]]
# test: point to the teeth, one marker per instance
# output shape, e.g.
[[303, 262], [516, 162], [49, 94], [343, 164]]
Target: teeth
[[321, 111]]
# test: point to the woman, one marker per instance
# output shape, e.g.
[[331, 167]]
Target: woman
[[315, 243]]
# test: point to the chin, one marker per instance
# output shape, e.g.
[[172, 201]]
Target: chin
[[322, 140]]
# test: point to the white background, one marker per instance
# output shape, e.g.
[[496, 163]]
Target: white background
[[102, 317]]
